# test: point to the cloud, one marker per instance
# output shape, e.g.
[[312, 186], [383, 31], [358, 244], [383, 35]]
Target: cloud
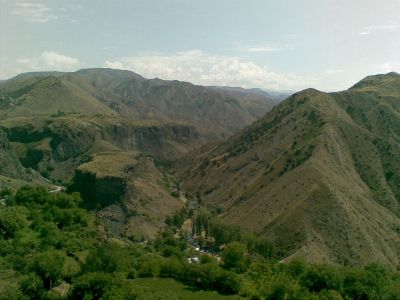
[[208, 69], [71, 7], [47, 61], [58, 61], [34, 12], [115, 65], [333, 71], [261, 49], [379, 28], [389, 67]]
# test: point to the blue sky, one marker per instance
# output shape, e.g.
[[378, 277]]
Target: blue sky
[[286, 45]]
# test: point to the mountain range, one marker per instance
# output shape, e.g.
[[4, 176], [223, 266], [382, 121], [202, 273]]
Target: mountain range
[[316, 173], [214, 111], [69, 126]]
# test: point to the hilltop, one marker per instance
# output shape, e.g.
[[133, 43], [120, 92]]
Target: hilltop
[[318, 174], [215, 112]]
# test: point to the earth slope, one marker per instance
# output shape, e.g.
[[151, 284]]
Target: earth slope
[[113, 134], [215, 112], [12, 172], [114, 162], [319, 174]]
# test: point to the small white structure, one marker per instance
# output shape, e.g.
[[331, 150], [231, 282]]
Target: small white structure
[[193, 260]]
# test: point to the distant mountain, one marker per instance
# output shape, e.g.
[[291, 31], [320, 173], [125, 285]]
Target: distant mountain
[[319, 174], [273, 95], [215, 112]]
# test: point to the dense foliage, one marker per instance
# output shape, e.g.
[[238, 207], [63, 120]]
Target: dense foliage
[[50, 248]]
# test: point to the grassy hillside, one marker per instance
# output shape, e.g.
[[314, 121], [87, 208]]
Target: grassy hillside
[[318, 174], [215, 112]]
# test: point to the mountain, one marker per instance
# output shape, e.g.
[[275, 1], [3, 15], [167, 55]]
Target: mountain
[[111, 135], [215, 112], [276, 96], [112, 161], [318, 175]]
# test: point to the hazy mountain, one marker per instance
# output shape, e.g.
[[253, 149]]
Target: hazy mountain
[[319, 174], [215, 112], [276, 96]]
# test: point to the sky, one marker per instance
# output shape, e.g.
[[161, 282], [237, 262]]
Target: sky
[[270, 44]]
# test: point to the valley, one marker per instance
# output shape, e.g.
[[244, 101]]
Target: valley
[[185, 168]]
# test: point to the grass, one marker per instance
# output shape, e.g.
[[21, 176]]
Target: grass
[[166, 288], [110, 164]]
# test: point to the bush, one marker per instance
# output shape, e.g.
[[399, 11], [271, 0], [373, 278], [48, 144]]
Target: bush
[[235, 257], [95, 285], [48, 265], [171, 267], [28, 195], [109, 257]]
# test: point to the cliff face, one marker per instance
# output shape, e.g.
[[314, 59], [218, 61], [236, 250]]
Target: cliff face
[[55, 146], [99, 192], [110, 161], [128, 192], [10, 165], [12, 173]]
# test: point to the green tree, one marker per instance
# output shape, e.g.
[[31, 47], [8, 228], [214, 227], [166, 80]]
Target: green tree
[[32, 286], [28, 195], [12, 219], [48, 266], [235, 257], [95, 285], [109, 257]]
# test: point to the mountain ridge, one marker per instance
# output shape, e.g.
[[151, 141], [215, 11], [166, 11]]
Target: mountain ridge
[[314, 175], [216, 113]]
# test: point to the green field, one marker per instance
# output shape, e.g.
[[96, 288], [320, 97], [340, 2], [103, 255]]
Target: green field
[[166, 288]]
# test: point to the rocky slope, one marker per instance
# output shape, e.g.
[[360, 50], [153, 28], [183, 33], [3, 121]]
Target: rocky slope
[[56, 145], [12, 172], [215, 112], [106, 130], [110, 160], [319, 174], [131, 195]]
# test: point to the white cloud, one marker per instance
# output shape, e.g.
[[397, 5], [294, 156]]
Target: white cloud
[[379, 28], [47, 61], [207, 69], [58, 61], [71, 7], [389, 67], [34, 12], [261, 49], [333, 71], [115, 65]]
